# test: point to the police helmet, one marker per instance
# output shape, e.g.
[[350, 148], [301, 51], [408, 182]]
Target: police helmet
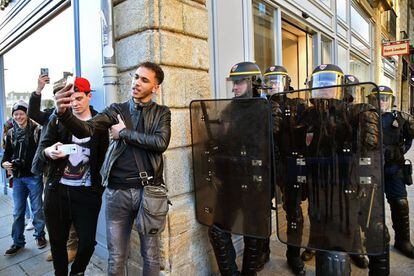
[[245, 80], [350, 92], [327, 75], [386, 97], [277, 79]]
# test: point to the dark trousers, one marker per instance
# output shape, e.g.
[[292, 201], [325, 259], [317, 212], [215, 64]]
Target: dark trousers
[[65, 205]]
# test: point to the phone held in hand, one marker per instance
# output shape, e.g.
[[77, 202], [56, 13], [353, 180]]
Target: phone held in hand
[[70, 80], [68, 148], [44, 71]]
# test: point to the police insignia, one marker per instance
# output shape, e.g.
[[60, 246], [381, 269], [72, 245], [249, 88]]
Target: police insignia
[[309, 138], [272, 68], [381, 88], [322, 67], [351, 78], [234, 67], [395, 123]]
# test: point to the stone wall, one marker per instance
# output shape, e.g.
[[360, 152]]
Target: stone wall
[[174, 34]]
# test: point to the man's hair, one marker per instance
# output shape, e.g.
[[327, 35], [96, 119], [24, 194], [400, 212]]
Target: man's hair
[[159, 74]]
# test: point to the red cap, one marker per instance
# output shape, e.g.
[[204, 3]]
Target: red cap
[[82, 85]]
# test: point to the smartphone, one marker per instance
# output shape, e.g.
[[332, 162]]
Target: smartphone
[[44, 71], [68, 148]]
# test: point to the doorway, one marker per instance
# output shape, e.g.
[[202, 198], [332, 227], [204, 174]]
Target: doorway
[[296, 53]]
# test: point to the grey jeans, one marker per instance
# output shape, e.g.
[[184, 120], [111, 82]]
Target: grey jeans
[[121, 210]]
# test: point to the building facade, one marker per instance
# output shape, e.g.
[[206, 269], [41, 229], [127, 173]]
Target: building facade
[[196, 42]]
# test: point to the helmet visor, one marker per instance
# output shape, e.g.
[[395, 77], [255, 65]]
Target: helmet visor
[[239, 87], [386, 101], [276, 84], [322, 79]]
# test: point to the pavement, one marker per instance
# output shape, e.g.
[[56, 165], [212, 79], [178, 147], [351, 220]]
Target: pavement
[[31, 261]]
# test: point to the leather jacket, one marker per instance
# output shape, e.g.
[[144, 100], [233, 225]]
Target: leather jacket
[[155, 139]]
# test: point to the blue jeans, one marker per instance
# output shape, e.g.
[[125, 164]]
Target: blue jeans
[[121, 210], [24, 187]]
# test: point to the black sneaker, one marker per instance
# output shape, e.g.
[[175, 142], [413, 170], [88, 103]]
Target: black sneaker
[[13, 250], [41, 242]]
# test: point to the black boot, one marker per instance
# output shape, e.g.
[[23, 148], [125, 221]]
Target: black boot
[[294, 260], [380, 265], [253, 249], [224, 251], [307, 255], [265, 256], [401, 224]]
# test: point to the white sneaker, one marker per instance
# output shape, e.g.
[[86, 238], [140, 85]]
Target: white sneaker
[[29, 225]]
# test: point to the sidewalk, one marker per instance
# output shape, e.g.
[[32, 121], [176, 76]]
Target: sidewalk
[[31, 261]]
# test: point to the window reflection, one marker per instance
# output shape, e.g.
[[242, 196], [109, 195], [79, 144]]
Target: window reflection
[[341, 9], [359, 25], [52, 47], [264, 50]]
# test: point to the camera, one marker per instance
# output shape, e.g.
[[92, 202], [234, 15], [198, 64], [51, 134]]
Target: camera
[[17, 164]]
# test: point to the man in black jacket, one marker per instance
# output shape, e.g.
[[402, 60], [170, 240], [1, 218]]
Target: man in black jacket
[[42, 117], [21, 142], [141, 132], [73, 191]]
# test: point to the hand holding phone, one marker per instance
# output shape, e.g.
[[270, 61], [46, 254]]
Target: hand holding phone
[[44, 72], [71, 80], [68, 148]]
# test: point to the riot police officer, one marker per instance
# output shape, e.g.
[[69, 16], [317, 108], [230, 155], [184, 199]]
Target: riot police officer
[[244, 82], [341, 193], [286, 113], [398, 132]]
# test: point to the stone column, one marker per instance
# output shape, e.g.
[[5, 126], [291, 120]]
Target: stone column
[[174, 34]]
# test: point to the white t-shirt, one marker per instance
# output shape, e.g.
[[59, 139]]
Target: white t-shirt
[[77, 171]]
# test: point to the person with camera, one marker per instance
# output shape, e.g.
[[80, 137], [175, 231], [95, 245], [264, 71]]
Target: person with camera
[[42, 117], [21, 144], [73, 194]]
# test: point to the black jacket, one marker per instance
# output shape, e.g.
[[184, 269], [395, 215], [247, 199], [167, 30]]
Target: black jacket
[[54, 132], [34, 112], [155, 140], [21, 152]]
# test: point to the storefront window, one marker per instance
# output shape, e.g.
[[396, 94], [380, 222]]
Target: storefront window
[[359, 68], [343, 57], [52, 47], [264, 50], [326, 46], [341, 9]]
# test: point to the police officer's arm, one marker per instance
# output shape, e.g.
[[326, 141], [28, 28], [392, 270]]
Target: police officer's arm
[[408, 130], [370, 123], [158, 141]]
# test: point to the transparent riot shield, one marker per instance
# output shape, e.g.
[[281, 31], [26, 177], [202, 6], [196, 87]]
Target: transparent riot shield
[[232, 164], [328, 160]]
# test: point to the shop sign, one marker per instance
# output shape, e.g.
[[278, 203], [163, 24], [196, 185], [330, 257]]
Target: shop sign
[[397, 48]]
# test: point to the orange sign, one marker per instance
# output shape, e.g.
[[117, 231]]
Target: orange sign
[[398, 48]]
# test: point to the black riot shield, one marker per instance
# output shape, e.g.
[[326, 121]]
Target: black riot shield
[[232, 164], [328, 160]]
